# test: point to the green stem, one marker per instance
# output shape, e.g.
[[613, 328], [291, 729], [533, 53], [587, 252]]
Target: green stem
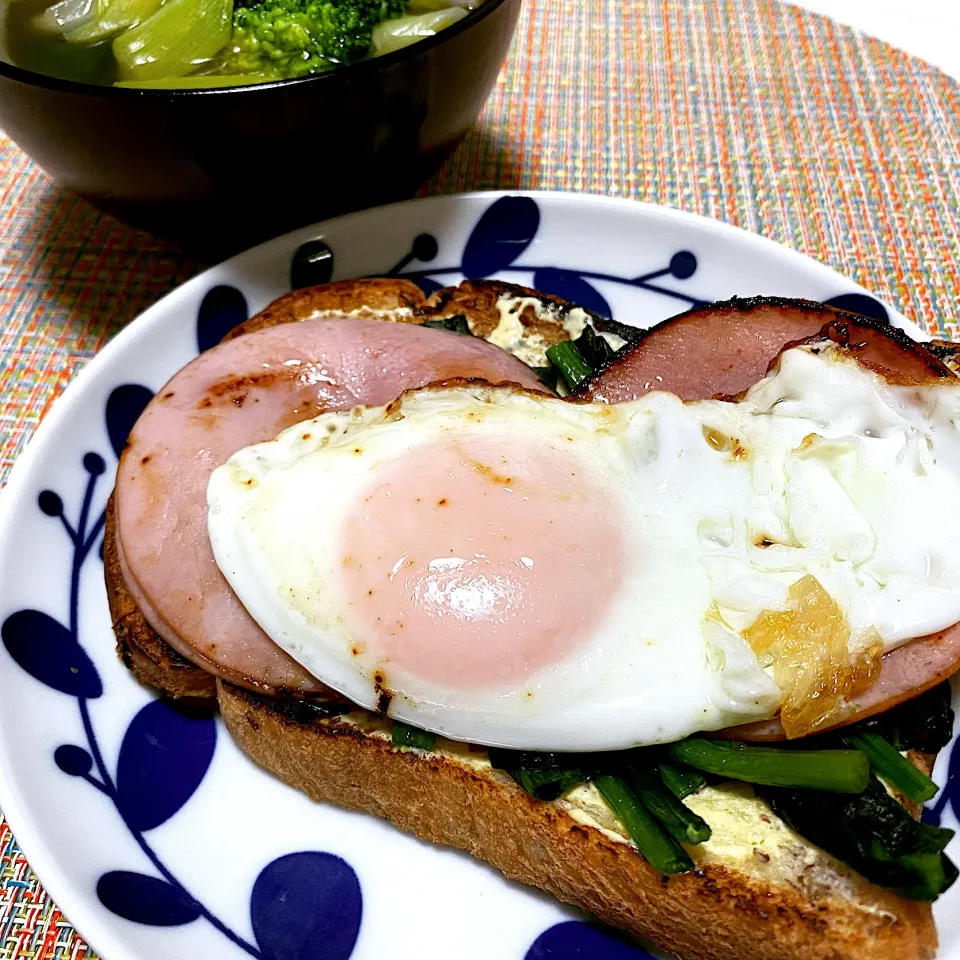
[[681, 783], [567, 358], [839, 771], [406, 736], [682, 823], [659, 848], [895, 768]]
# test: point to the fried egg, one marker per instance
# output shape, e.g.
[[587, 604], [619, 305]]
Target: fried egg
[[510, 569]]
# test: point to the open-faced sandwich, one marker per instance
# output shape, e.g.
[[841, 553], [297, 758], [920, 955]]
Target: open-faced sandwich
[[658, 622]]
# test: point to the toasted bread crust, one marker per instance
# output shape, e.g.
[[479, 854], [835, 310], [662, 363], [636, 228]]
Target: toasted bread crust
[[387, 298], [715, 913], [948, 352]]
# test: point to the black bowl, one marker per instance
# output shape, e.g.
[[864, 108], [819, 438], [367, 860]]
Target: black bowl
[[227, 167]]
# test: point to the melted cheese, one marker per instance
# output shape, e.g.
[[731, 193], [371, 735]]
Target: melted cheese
[[577, 319], [511, 335], [364, 311]]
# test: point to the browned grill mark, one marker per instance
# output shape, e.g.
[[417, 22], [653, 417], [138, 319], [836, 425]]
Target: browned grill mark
[[234, 384], [384, 696], [490, 473]]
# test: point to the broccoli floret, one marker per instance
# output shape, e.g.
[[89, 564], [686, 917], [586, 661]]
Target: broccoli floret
[[293, 38]]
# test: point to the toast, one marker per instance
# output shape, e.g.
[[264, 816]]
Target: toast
[[759, 891]]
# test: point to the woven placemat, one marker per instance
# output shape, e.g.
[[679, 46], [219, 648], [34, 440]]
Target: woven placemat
[[746, 110]]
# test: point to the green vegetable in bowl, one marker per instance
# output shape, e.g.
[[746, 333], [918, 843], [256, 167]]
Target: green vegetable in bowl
[[65, 15], [175, 41], [114, 17], [203, 44], [294, 38], [396, 34]]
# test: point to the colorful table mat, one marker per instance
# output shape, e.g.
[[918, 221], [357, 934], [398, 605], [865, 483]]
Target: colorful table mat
[[749, 111]]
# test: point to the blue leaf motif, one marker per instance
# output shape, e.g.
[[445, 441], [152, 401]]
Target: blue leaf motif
[[47, 651], [164, 756], [683, 265], [124, 406], [221, 309], [306, 906], [574, 940], [424, 247], [145, 899], [505, 230], [73, 760], [860, 303], [50, 503], [312, 265], [571, 286], [93, 464]]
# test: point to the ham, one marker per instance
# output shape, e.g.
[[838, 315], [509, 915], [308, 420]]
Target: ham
[[245, 391], [723, 349]]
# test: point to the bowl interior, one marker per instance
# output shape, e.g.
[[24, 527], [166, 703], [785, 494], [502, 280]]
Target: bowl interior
[[9, 65]]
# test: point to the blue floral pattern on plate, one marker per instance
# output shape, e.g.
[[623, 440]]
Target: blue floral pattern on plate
[[304, 905]]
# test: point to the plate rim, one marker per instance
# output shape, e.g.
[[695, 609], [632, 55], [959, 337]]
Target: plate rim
[[40, 856]]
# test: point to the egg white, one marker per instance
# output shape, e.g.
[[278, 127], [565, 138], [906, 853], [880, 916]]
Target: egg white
[[823, 469]]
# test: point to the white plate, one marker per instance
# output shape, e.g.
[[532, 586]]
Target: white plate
[[151, 831]]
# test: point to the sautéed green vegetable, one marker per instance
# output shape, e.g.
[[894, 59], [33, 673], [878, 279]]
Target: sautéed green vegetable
[[197, 44]]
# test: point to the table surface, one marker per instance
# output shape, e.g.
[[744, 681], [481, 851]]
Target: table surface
[[759, 114]]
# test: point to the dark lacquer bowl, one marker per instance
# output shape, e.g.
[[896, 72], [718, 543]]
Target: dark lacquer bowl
[[227, 167]]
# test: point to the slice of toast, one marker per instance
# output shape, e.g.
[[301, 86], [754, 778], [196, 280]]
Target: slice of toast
[[759, 891], [539, 321]]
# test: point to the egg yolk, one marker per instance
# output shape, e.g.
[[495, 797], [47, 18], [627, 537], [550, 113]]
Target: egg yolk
[[473, 562]]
